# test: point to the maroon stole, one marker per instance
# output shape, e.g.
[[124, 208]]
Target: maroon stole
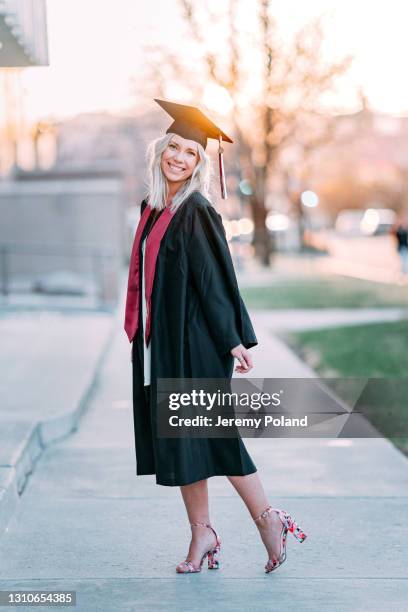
[[151, 251]]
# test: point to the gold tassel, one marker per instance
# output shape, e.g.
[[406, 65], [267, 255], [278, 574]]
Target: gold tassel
[[221, 169]]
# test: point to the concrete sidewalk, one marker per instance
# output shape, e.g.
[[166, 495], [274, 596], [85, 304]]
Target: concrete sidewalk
[[294, 265], [87, 523], [49, 362], [318, 318]]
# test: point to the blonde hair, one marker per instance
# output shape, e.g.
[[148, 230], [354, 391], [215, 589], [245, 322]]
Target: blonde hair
[[157, 188]]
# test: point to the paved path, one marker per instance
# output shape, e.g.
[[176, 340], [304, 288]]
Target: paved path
[[48, 362], [87, 523], [315, 318], [287, 265]]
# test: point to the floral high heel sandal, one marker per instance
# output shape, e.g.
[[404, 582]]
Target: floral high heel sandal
[[188, 567], [288, 524]]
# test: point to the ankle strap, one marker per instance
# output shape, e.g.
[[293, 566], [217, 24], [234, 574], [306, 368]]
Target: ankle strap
[[206, 525], [264, 514]]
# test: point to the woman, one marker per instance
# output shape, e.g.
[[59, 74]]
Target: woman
[[186, 319], [400, 232]]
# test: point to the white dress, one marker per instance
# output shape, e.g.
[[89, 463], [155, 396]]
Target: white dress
[[146, 350]]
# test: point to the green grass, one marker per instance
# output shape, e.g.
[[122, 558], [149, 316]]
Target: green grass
[[375, 351], [325, 292]]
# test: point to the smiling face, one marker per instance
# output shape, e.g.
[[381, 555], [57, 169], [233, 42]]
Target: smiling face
[[179, 160]]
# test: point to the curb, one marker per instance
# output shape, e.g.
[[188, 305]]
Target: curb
[[14, 476]]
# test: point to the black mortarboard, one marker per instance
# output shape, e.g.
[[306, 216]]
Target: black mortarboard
[[189, 122]]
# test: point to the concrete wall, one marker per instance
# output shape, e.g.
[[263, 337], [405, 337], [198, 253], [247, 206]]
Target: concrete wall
[[71, 225]]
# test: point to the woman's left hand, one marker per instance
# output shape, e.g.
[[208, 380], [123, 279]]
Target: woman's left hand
[[244, 358]]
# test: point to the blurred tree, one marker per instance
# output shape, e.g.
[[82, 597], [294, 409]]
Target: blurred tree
[[281, 109], [401, 190], [39, 129]]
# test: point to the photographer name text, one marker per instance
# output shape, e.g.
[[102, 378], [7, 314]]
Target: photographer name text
[[253, 422]]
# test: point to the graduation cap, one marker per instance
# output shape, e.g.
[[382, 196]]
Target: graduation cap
[[189, 122]]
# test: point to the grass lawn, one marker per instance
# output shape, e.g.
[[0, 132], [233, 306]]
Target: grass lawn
[[325, 292], [375, 351]]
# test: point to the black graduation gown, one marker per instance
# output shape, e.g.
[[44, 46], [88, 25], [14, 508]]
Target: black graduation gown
[[198, 316]]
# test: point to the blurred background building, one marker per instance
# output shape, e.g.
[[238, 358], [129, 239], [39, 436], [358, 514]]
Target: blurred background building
[[23, 42], [23, 33], [61, 230]]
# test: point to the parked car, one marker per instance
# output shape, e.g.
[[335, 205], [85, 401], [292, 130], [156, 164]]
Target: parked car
[[364, 222]]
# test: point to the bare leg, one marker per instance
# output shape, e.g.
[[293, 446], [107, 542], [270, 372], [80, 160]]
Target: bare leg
[[195, 497], [252, 493]]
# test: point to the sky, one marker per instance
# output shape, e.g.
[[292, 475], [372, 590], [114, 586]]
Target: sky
[[97, 46]]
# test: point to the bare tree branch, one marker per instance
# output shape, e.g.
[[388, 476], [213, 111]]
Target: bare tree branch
[[293, 76]]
